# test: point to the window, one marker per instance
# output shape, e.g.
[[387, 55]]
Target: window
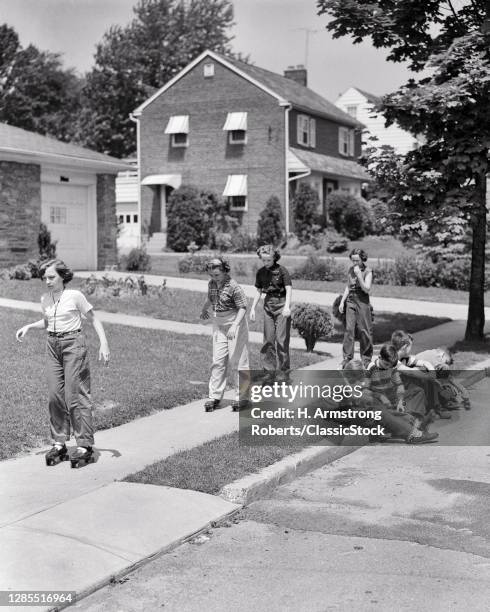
[[236, 126], [238, 136], [178, 128], [179, 140], [236, 191], [121, 218], [208, 70], [135, 218], [352, 110], [346, 141], [306, 131], [128, 218], [238, 202], [57, 214]]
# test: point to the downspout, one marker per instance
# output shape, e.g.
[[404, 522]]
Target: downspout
[[136, 120], [287, 107]]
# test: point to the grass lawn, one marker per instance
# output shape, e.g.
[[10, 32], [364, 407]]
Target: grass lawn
[[183, 305], [467, 354], [209, 467], [149, 371]]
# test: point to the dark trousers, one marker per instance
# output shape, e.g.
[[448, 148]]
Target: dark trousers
[[277, 331], [69, 389], [358, 317]]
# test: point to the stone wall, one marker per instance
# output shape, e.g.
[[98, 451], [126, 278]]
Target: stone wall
[[20, 212], [106, 221]]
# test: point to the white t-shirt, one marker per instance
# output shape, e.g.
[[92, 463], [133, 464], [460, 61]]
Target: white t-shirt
[[65, 314]]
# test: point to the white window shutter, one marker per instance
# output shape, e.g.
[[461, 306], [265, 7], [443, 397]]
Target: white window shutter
[[312, 133], [299, 129], [341, 140], [351, 142]]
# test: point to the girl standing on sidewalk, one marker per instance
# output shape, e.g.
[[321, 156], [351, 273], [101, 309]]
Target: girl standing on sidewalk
[[275, 282], [230, 333], [355, 302], [67, 363]]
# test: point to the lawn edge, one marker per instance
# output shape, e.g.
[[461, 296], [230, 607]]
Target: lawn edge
[[255, 486]]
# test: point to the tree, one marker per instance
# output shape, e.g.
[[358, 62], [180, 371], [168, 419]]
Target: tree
[[36, 93], [270, 227], [446, 177], [134, 61], [305, 207], [312, 322]]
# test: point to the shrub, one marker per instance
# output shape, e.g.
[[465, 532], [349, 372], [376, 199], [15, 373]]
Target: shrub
[[241, 242], [315, 268], [330, 241], [47, 249], [270, 228], [305, 210], [193, 263], [187, 218], [312, 323], [349, 215], [383, 221], [220, 224], [137, 260]]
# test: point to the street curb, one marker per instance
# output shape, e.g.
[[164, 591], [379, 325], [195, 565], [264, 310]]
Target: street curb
[[116, 577], [254, 486]]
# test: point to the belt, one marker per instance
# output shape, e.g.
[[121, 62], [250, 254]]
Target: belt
[[63, 334]]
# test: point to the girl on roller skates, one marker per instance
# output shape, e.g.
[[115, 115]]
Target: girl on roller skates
[[67, 365]]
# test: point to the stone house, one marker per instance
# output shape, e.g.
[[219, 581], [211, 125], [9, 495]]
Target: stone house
[[69, 188], [245, 133]]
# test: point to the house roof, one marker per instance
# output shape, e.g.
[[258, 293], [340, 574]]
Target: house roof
[[331, 165], [14, 140], [298, 95], [284, 89], [370, 97]]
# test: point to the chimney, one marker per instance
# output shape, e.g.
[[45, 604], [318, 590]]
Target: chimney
[[297, 73]]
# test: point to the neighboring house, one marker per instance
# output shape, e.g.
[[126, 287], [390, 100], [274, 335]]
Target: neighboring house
[[359, 104], [127, 211], [246, 134], [67, 187]]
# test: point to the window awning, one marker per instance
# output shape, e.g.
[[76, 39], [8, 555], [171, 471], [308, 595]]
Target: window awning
[[235, 121], [178, 124], [173, 180], [295, 164], [236, 185]]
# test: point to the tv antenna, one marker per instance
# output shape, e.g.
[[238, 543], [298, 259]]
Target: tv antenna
[[308, 32]]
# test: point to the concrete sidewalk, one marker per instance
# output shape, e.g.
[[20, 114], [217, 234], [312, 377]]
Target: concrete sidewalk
[[322, 298], [64, 529]]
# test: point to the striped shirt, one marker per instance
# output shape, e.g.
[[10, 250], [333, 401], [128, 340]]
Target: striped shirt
[[230, 296], [385, 381]]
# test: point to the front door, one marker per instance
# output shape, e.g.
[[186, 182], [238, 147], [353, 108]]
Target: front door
[[328, 187]]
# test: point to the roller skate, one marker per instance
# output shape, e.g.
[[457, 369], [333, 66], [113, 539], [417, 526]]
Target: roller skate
[[56, 455], [211, 404], [82, 457], [240, 405]]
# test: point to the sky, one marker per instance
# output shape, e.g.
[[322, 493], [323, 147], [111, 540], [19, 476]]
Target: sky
[[270, 32]]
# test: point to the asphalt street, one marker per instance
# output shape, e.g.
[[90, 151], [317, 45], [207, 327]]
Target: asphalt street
[[388, 527]]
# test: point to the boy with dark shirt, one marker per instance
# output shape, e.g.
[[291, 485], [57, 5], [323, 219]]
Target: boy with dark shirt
[[275, 282]]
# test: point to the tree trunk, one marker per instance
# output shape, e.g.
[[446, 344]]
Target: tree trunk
[[476, 309], [310, 341]]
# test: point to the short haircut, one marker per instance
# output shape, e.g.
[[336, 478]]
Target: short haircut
[[269, 249], [361, 252], [218, 261], [400, 338], [389, 354], [61, 268]]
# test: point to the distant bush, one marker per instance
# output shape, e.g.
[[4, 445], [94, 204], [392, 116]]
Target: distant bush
[[383, 220], [241, 242], [315, 268], [312, 322], [137, 260], [270, 226], [47, 248], [349, 215], [330, 241]]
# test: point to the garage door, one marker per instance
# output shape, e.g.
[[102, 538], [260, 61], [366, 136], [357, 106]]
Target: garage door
[[65, 211]]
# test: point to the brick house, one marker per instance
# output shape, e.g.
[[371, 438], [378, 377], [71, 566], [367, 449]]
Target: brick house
[[67, 187], [245, 133]]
